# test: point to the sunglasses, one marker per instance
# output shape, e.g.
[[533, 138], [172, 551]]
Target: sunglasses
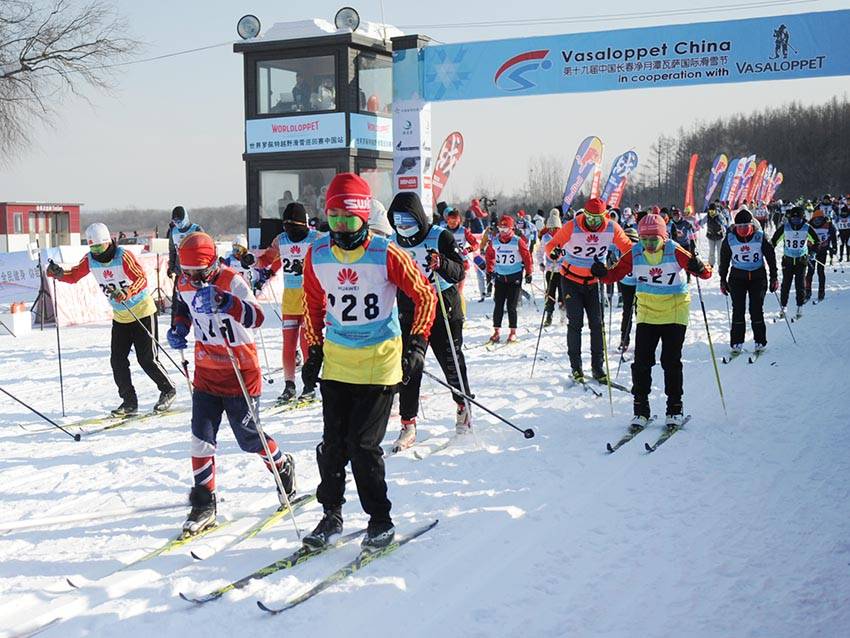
[[98, 249], [651, 242], [346, 222]]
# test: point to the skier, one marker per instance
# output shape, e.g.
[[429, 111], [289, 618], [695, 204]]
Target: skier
[[762, 215], [581, 241], [627, 293], [485, 283], [507, 257], [663, 304], [550, 269], [218, 304], [434, 251], [350, 283], [466, 242], [239, 249], [715, 231], [842, 223], [796, 237], [286, 252], [826, 245], [122, 279], [747, 250], [178, 228]]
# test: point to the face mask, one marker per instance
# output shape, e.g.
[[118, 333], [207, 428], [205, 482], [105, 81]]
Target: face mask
[[506, 231], [350, 240], [651, 244], [745, 230], [295, 231], [406, 224], [98, 249]]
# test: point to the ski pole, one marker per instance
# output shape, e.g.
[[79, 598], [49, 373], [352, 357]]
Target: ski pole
[[184, 370], [711, 348], [785, 316], [528, 433], [266, 377], [605, 348], [58, 346], [252, 406], [76, 437], [450, 336], [8, 330], [548, 297], [728, 316]]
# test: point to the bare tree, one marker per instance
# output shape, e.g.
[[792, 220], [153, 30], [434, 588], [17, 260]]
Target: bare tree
[[48, 49]]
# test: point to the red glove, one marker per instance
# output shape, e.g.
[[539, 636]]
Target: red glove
[[774, 285]]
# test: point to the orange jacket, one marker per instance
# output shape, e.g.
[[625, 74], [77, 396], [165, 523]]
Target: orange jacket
[[562, 238]]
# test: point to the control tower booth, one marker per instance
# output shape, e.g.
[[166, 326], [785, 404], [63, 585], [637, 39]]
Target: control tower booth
[[318, 101]]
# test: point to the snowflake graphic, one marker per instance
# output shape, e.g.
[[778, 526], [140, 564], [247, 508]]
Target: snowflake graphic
[[443, 73]]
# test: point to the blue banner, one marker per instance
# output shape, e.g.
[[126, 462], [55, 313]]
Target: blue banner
[[588, 156], [784, 47], [727, 183], [717, 170], [620, 170]]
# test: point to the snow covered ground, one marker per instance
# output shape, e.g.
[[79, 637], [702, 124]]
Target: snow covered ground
[[737, 526]]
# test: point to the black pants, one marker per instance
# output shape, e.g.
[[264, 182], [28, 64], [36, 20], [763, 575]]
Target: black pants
[[647, 335], [628, 293], [793, 270], [738, 290], [553, 291], [843, 238], [578, 299], [131, 335], [355, 421], [505, 293], [441, 346], [821, 256]]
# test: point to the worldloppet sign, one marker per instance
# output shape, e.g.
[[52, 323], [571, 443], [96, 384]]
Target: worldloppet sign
[[789, 47]]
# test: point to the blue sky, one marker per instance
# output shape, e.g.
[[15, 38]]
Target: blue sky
[[172, 130]]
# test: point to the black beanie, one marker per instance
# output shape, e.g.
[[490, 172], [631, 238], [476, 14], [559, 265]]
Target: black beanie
[[295, 212], [178, 213], [743, 216]]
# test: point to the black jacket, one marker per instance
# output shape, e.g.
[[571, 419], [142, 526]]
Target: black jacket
[[452, 265], [738, 274]]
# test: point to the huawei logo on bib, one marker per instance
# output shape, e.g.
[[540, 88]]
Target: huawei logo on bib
[[108, 274], [347, 275], [295, 250], [655, 272], [592, 239], [745, 249]]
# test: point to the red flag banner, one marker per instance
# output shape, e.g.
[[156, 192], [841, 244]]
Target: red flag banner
[[689, 185], [450, 153]]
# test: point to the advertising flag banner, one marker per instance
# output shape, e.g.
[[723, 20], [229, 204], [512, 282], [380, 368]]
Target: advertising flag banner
[[689, 185], [774, 185], [736, 181], [756, 181], [597, 181], [730, 176], [617, 195], [790, 46], [620, 170], [449, 156], [746, 177], [721, 162], [587, 158]]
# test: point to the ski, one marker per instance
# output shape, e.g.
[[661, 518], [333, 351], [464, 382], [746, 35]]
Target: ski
[[668, 432], [107, 422], [615, 385], [755, 356], [732, 356], [815, 302], [363, 558], [634, 430], [297, 404], [268, 521], [300, 555], [585, 386]]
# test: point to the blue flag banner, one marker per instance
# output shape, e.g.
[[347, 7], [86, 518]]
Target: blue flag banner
[[587, 157], [620, 170], [730, 175], [801, 45]]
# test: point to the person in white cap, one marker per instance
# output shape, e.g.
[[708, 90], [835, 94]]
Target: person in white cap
[[122, 279]]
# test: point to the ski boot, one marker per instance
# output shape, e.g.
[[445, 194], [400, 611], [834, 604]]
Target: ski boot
[[308, 394], [288, 393], [327, 531], [202, 514], [799, 312], [547, 321], [759, 347], [563, 316], [674, 421], [737, 348], [378, 536], [577, 376], [601, 377], [638, 423], [512, 338], [165, 400], [287, 479], [821, 295], [495, 337], [128, 407], [407, 436], [624, 345], [463, 419]]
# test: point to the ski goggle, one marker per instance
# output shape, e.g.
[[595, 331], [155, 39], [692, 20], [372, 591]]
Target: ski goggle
[[199, 276], [651, 242], [593, 220], [344, 223], [505, 229], [745, 230], [98, 249]]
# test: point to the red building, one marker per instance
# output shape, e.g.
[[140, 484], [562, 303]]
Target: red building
[[51, 224]]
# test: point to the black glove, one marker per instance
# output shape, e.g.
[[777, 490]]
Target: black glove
[[54, 269], [695, 265], [310, 369], [489, 278], [247, 260], [555, 255], [598, 269], [170, 271], [413, 360], [528, 279]]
